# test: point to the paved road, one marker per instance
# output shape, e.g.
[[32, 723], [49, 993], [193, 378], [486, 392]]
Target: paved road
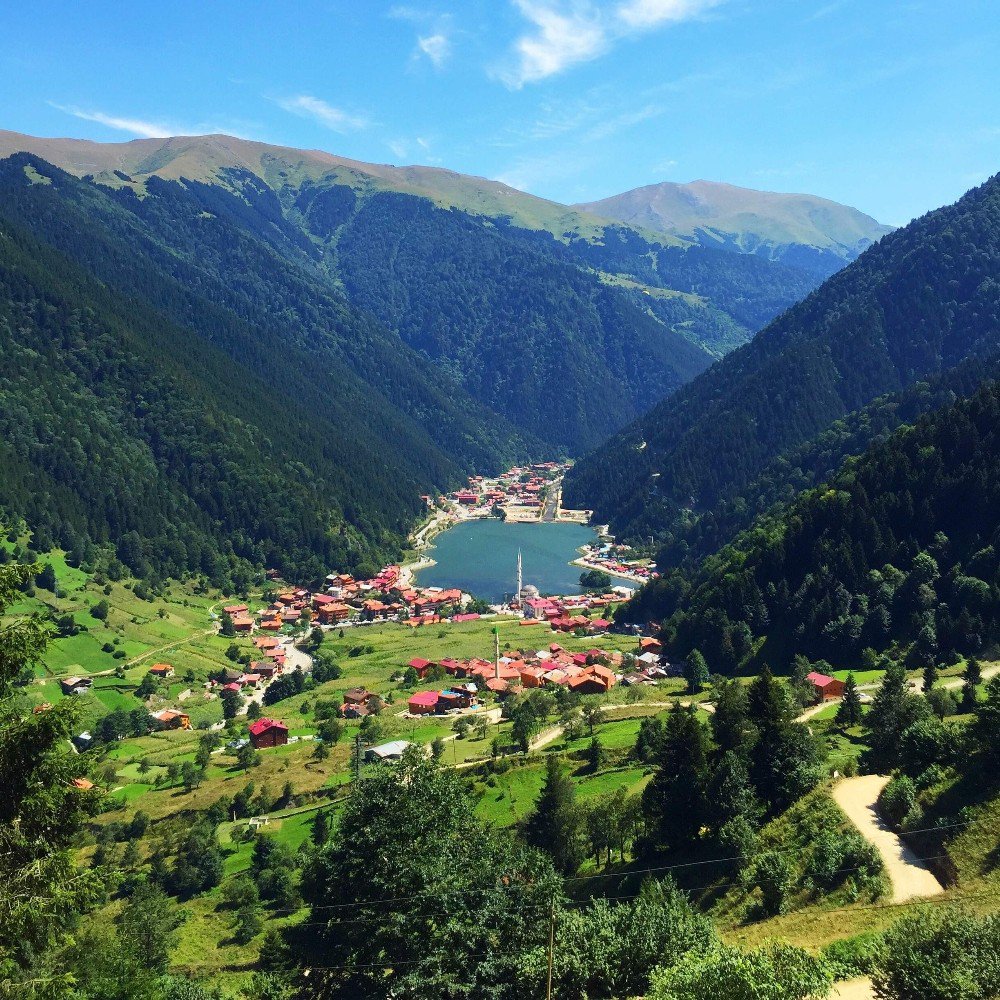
[[910, 877]]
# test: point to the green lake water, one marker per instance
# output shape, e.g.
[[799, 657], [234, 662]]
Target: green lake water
[[480, 557]]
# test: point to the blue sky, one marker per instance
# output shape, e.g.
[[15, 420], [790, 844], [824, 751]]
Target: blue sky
[[890, 106]]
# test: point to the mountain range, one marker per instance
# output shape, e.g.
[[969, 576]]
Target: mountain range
[[391, 329], [815, 234]]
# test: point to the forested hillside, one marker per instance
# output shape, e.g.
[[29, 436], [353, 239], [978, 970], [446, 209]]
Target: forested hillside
[[922, 301], [536, 339], [205, 408], [469, 271], [898, 551]]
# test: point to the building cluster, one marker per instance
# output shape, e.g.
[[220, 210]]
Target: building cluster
[[517, 487], [591, 672], [613, 559], [566, 614], [344, 599]]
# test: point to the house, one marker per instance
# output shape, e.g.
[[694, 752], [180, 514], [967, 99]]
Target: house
[[423, 703], [243, 625], [455, 698], [357, 696], [161, 670], [650, 645], [76, 685], [235, 609], [826, 688], [171, 719], [82, 741], [265, 733], [386, 752], [421, 666], [81, 784]]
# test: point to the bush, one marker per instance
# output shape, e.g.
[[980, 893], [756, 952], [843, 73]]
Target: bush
[[856, 956], [897, 799], [773, 874], [940, 955], [839, 855]]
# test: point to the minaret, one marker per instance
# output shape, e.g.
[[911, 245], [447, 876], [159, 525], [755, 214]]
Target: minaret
[[496, 652], [520, 583]]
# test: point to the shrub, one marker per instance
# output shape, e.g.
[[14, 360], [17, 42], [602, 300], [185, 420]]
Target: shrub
[[897, 799], [856, 956]]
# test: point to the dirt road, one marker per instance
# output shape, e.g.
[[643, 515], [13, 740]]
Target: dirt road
[[910, 877], [853, 989]]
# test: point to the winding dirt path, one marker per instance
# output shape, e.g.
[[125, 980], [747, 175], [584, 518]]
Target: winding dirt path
[[911, 878], [853, 989]]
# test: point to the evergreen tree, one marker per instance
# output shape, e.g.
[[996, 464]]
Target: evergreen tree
[[892, 711], [40, 812], [555, 825], [973, 677], [930, 676], [673, 803], [849, 711], [320, 829], [730, 720]]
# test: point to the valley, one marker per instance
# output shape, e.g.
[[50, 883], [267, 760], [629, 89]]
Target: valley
[[413, 587]]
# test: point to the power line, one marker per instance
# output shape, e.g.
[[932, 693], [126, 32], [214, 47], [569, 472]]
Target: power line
[[602, 876]]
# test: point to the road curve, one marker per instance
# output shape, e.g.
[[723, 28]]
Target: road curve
[[910, 877]]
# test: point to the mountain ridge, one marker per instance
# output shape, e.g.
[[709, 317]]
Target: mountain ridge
[[777, 225], [923, 300]]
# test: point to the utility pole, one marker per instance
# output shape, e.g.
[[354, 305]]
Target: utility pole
[[552, 942], [496, 652]]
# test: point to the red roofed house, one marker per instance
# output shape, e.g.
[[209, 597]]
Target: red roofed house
[[826, 688], [161, 670], [266, 733], [420, 665], [650, 645], [235, 609], [423, 703]]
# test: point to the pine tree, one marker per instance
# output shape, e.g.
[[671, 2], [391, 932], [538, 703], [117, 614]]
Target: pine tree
[[674, 801], [970, 689], [849, 712], [930, 676], [555, 825], [40, 811]]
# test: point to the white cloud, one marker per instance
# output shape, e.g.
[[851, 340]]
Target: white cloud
[[135, 126], [436, 47], [560, 40], [641, 15], [568, 32], [307, 106]]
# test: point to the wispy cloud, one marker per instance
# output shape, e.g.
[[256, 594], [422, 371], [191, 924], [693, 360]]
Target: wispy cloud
[[434, 40], [141, 127], [436, 47], [335, 119], [565, 33]]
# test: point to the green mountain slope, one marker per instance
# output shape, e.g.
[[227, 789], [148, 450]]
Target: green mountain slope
[[291, 428], [320, 192], [923, 301], [899, 549], [802, 230]]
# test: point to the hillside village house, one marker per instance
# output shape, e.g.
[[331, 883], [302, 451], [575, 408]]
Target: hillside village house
[[171, 719], [267, 733], [76, 685], [825, 688], [386, 752], [162, 670]]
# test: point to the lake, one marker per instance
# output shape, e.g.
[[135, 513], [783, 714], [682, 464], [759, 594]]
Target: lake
[[481, 557]]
